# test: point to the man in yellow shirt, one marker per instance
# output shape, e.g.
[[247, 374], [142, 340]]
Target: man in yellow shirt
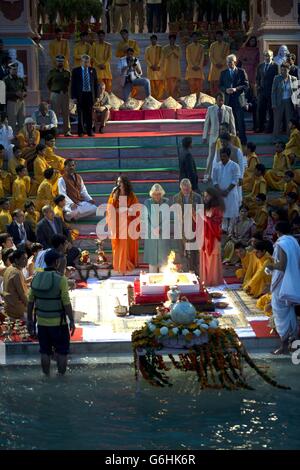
[[59, 46], [195, 59], [53, 160], [20, 188], [5, 216], [172, 69], [15, 161], [47, 191], [81, 47], [126, 43], [154, 61], [218, 52], [259, 284], [40, 164], [259, 187], [281, 164], [101, 54]]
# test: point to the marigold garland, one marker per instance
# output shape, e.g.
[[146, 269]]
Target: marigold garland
[[218, 362]]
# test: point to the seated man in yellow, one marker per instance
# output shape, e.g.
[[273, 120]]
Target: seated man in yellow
[[252, 161], [154, 61], [293, 144], [53, 160], [20, 188], [5, 216], [123, 45], [262, 214], [59, 46], [60, 203], [101, 53], [40, 164], [46, 191], [15, 161], [281, 163], [289, 187], [5, 177], [292, 206], [248, 259], [259, 284], [195, 59], [241, 231], [172, 69], [28, 139], [31, 215], [259, 187], [82, 47], [234, 139], [264, 303]]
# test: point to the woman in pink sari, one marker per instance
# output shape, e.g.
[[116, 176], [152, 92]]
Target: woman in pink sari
[[248, 58], [211, 270]]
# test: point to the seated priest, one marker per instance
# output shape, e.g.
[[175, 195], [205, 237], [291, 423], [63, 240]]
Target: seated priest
[[79, 203]]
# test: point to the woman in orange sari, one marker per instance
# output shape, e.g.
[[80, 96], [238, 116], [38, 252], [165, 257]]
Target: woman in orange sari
[[211, 270], [124, 248]]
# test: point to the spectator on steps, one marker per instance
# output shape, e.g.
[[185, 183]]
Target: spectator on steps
[[82, 47], [15, 95], [123, 45], [101, 53], [79, 203], [187, 165], [49, 226], [84, 92], [45, 119], [154, 61], [59, 46], [195, 59], [130, 73], [172, 68], [58, 83]]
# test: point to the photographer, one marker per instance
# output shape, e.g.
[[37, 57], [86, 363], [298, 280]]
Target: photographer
[[130, 71]]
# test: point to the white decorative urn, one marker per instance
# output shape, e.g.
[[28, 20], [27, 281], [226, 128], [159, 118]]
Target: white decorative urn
[[183, 312]]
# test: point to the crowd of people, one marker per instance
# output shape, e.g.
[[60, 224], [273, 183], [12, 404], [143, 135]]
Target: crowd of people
[[243, 223]]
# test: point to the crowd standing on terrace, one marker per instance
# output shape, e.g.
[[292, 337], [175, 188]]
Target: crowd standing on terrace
[[245, 223]]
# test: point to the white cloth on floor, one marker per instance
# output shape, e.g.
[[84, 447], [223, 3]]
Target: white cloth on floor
[[224, 176]]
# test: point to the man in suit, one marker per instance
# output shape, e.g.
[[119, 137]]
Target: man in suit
[[187, 165], [266, 72], [20, 230], [215, 116], [234, 83], [84, 92], [283, 88], [49, 226]]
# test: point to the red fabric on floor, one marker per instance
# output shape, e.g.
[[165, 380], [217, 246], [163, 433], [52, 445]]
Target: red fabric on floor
[[153, 114], [77, 335], [159, 114], [231, 280], [81, 284], [191, 113], [262, 329]]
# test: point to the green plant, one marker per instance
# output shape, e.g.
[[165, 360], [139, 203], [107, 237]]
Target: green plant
[[52, 7], [87, 8], [68, 10]]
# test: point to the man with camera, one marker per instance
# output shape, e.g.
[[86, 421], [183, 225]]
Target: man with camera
[[130, 71]]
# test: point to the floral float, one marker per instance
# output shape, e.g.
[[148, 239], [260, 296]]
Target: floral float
[[215, 354]]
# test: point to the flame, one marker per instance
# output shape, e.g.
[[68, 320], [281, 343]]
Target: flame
[[170, 270]]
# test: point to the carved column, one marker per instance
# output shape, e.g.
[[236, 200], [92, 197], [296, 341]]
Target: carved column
[[18, 26], [279, 26]]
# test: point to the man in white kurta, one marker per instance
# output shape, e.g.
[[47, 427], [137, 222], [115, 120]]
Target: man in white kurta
[[236, 155], [79, 203], [6, 136], [285, 286], [226, 175]]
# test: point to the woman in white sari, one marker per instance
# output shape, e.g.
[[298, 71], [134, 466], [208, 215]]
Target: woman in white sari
[[285, 285]]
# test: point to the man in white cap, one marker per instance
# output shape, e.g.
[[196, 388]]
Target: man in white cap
[[58, 84], [15, 95]]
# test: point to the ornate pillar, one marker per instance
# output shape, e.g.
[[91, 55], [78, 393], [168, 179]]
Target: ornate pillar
[[18, 19], [279, 26]]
